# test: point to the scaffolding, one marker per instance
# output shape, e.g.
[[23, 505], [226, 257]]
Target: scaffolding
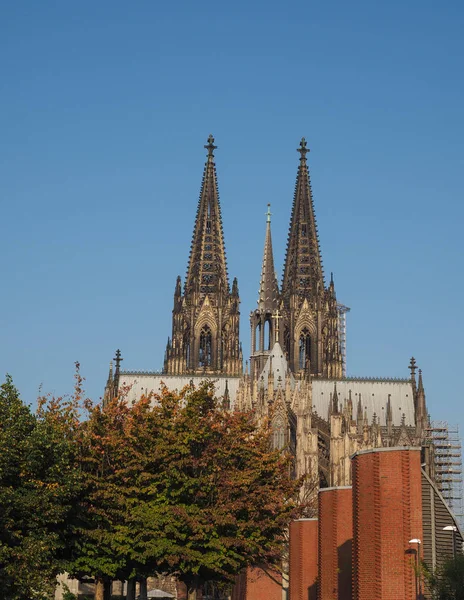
[[342, 310], [448, 464]]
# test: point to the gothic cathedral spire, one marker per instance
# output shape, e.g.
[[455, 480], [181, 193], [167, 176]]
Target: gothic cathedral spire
[[205, 326], [265, 319], [303, 273], [207, 269], [310, 315]]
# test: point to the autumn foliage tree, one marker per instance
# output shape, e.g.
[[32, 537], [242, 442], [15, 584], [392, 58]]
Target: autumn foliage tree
[[179, 486], [204, 495]]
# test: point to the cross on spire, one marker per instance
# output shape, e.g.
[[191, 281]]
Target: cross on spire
[[303, 150], [277, 316], [268, 214], [117, 360], [413, 367], [210, 145]]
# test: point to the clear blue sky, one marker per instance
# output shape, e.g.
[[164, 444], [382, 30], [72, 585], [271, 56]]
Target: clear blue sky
[[104, 110]]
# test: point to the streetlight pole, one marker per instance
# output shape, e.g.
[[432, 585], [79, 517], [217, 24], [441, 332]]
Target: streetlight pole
[[418, 578], [453, 529]]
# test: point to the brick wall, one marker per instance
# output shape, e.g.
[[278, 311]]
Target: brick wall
[[335, 543], [303, 559], [387, 513], [255, 584]]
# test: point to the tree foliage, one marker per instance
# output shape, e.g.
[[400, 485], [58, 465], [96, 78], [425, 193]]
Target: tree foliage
[[38, 487], [177, 485], [447, 582], [216, 497]]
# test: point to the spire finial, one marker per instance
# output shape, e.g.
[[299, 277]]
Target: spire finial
[[412, 368], [117, 360], [420, 387], [268, 214], [210, 145], [303, 150]]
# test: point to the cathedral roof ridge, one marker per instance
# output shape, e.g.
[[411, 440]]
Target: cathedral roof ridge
[[162, 374], [368, 379], [139, 372]]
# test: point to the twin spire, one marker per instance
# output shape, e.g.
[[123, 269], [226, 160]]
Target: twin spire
[[207, 269], [205, 332], [303, 273], [303, 270]]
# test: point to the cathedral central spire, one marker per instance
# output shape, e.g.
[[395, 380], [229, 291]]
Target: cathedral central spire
[[268, 289], [265, 319]]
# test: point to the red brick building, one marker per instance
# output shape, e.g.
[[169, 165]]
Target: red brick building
[[258, 584], [303, 559], [335, 541], [387, 513]]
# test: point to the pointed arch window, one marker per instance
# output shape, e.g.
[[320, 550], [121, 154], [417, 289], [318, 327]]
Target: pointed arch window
[[206, 347], [304, 349], [278, 433]]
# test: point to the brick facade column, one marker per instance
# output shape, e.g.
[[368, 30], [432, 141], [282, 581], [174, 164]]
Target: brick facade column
[[303, 559], [387, 513], [335, 543]]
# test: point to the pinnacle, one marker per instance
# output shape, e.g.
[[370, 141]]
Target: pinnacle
[[269, 289]]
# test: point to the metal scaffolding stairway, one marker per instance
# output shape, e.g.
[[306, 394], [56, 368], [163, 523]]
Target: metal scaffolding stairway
[[448, 464]]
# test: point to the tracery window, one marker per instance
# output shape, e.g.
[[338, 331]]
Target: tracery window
[[206, 347], [304, 348], [278, 433]]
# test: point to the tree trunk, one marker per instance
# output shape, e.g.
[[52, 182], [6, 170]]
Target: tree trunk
[[130, 590], [107, 589], [99, 589], [194, 589], [143, 589]]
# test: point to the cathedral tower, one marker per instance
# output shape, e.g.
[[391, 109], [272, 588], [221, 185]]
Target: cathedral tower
[[205, 317], [310, 317]]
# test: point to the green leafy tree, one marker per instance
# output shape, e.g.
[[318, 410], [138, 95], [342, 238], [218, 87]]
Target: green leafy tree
[[447, 582], [38, 487]]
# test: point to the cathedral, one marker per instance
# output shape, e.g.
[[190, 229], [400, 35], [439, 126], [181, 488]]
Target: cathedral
[[295, 377]]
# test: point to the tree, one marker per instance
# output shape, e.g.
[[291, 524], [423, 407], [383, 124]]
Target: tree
[[211, 498], [96, 551], [38, 486], [174, 484], [447, 583]]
